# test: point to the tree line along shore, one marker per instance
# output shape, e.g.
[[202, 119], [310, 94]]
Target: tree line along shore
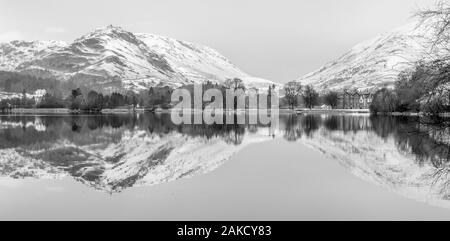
[[405, 99], [155, 98]]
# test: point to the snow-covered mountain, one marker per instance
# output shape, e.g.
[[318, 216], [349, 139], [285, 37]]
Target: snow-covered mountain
[[374, 63], [112, 58]]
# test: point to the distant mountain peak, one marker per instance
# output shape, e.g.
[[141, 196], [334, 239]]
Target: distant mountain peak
[[108, 29]]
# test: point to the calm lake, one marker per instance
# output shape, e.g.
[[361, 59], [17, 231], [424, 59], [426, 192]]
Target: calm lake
[[143, 167]]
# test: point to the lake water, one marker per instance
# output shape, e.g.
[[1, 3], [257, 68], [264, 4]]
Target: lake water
[[310, 167]]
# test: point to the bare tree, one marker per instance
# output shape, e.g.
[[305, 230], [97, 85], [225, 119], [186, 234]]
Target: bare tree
[[292, 91], [331, 99], [310, 96], [234, 84], [437, 20]]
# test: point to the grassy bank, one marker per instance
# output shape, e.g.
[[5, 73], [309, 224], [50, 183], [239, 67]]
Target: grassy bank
[[445, 115], [333, 111], [40, 111], [68, 111]]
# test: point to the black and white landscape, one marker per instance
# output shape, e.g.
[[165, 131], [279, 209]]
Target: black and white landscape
[[86, 113], [113, 59]]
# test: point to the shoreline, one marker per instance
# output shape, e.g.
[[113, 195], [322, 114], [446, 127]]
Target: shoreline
[[332, 111], [420, 114], [168, 111], [116, 111], [68, 111]]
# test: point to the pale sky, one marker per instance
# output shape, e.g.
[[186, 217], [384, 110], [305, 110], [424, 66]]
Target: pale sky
[[279, 40]]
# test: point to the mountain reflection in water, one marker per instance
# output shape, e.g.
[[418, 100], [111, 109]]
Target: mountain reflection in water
[[114, 152]]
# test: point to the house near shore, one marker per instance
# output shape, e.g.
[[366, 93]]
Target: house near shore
[[39, 95], [354, 99]]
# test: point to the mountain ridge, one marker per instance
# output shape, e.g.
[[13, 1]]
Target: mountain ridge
[[374, 63], [111, 58]]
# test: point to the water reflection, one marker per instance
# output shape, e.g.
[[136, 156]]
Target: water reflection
[[409, 155], [115, 152], [112, 152]]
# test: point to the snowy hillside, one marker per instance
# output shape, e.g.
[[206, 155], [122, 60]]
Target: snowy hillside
[[112, 58], [375, 63]]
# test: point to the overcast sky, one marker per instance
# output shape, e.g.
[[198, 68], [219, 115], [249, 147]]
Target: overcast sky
[[279, 39]]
